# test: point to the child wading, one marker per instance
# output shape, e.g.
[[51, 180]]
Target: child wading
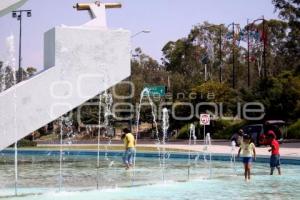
[[129, 142], [247, 151], [275, 156]]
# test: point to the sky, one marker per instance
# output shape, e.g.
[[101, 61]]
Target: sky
[[168, 20]]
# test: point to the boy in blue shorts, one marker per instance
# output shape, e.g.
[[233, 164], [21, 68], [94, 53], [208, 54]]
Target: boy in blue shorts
[[275, 156]]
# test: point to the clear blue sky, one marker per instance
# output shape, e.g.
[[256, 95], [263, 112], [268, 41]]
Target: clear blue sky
[[167, 20]]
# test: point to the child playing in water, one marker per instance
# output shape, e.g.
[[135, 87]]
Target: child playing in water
[[247, 151], [275, 156], [129, 142]]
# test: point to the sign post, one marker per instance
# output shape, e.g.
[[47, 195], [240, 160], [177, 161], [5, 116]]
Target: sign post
[[204, 120]]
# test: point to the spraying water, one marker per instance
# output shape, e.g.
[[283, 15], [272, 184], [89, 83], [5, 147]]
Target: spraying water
[[232, 159], [165, 127], [11, 62], [66, 130], [192, 136], [98, 140], [2, 77], [146, 93], [165, 124], [208, 145], [108, 100], [61, 152]]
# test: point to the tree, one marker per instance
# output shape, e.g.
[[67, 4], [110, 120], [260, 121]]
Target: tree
[[280, 96], [289, 10], [218, 93], [145, 71], [7, 78], [30, 71], [190, 56]]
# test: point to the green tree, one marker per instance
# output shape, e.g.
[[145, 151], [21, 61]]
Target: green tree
[[280, 95], [289, 10], [218, 93], [30, 71]]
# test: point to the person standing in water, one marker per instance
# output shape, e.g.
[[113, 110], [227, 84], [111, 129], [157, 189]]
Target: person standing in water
[[247, 151], [275, 156], [129, 142], [238, 137]]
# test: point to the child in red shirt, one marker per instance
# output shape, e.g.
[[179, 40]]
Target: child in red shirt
[[275, 156]]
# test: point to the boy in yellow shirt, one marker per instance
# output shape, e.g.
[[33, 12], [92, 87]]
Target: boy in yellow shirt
[[129, 142]]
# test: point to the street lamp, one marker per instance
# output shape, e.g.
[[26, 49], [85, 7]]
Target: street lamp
[[233, 25], [18, 14], [264, 39], [129, 88], [220, 47], [143, 31]]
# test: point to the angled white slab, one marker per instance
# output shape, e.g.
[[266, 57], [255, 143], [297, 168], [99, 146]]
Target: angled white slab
[[6, 6], [79, 64]]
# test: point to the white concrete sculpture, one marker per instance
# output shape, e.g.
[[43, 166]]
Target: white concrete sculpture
[[79, 63], [6, 6]]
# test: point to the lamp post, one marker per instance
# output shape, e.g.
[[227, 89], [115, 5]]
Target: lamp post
[[233, 53], [140, 32], [248, 53], [18, 14], [130, 80], [220, 48], [220, 52], [264, 40]]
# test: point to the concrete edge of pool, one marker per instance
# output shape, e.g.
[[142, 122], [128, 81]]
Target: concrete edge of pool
[[173, 155]]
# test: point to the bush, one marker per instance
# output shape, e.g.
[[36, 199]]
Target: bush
[[218, 126], [294, 130], [183, 133], [26, 143], [229, 128], [219, 129]]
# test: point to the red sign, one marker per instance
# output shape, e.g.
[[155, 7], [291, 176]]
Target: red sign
[[204, 119]]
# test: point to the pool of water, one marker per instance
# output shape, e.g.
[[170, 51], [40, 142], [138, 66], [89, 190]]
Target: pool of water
[[39, 179]]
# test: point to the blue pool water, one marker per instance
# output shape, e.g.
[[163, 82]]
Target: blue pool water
[[39, 178]]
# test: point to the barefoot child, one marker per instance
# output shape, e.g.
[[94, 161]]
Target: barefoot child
[[130, 143], [247, 151], [275, 156]]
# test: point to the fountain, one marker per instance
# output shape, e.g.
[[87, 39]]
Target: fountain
[[34, 180], [12, 63], [162, 154], [165, 127], [108, 100], [3, 78], [98, 140], [83, 74], [146, 93], [70, 78], [66, 129], [206, 151], [60, 152], [232, 158], [8, 80], [192, 136]]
